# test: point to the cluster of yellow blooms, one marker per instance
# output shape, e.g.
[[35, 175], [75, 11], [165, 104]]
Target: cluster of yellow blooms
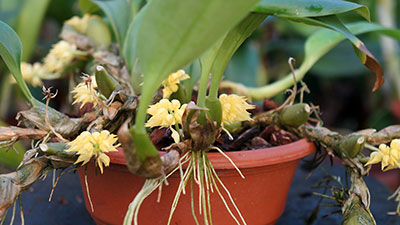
[[78, 23], [59, 56], [166, 113], [95, 144], [32, 73], [84, 93], [234, 108], [389, 157], [55, 62], [171, 83]]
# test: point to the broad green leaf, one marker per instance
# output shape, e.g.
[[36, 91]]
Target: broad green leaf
[[342, 54], [173, 33], [9, 11], [166, 45], [230, 44], [11, 52], [361, 50], [365, 56], [118, 12], [87, 6], [323, 13], [135, 7], [129, 51], [316, 46], [29, 24], [309, 8]]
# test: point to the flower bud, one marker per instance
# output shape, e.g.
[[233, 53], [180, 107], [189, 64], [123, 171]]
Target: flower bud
[[295, 115], [351, 146], [98, 32], [105, 82]]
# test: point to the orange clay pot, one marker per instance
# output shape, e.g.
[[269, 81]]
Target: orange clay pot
[[260, 197]]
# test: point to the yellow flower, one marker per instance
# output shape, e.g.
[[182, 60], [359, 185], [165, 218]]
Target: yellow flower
[[85, 94], [166, 114], [59, 57], [171, 83], [389, 157], [32, 73], [234, 108], [87, 145], [78, 23]]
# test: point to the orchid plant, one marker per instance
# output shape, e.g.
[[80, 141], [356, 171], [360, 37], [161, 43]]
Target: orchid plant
[[160, 64]]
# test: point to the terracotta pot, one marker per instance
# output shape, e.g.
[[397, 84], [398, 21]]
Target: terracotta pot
[[261, 196]]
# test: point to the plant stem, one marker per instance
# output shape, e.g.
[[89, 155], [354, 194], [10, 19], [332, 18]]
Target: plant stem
[[214, 86], [270, 90], [201, 95], [141, 112]]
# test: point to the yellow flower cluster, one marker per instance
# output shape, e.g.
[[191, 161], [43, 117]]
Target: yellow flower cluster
[[166, 113], [171, 83], [234, 108], [87, 145], [59, 57], [84, 93], [55, 62], [78, 23], [389, 157], [33, 73]]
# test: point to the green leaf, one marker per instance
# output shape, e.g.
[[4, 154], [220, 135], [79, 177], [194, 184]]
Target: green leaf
[[230, 44], [323, 13], [173, 33], [11, 51], [118, 12], [9, 11], [129, 51], [309, 8], [29, 24], [316, 46], [365, 56], [327, 67], [98, 31], [361, 50], [87, 6], [135, 6]]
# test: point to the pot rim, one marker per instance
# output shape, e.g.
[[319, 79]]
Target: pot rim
[[249, 158]]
